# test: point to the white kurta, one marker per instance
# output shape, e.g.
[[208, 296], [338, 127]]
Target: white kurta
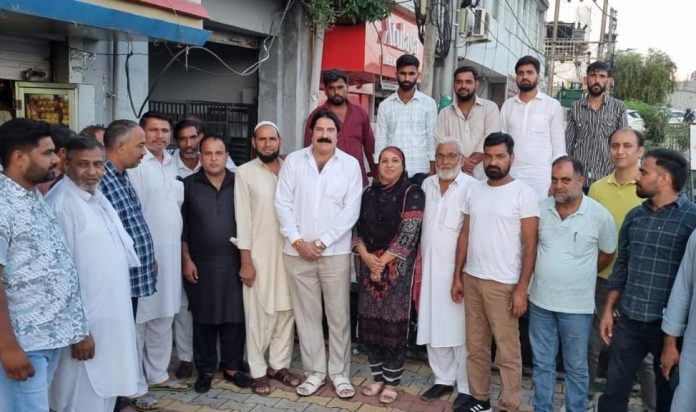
[[161, 196], [103, 252], [440, 320]]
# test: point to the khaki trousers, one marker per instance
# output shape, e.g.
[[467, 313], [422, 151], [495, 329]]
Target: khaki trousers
[[329, 277], [487, 317], [272, 332]]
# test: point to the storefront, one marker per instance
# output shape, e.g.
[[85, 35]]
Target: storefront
[[368, 52]]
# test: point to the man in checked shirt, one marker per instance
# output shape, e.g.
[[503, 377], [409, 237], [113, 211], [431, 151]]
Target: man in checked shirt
[[652, 241]]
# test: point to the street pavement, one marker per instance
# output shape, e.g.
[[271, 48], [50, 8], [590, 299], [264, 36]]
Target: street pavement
[[418, 377]]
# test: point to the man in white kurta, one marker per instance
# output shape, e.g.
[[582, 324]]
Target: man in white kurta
[[103, 252], [267, 309], [161, 196], [440, 320]]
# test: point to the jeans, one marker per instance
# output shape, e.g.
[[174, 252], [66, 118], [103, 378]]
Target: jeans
[[30, 395], [631, 341], [545, 328]]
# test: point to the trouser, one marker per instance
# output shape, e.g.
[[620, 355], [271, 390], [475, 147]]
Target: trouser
[[646, 374], [449, 366], [267, 332], [30, 395], [685, 395], [386, 365], [545, 328], [630, 342], [84, 396], [183, 330], [308, 281], [205, 340], [154, 342], [487, 316]]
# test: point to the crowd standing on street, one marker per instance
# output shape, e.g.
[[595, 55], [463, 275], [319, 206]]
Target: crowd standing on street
[[115, 250]]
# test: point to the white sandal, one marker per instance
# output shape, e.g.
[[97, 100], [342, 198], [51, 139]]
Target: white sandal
[[310, 386], [344, 389]]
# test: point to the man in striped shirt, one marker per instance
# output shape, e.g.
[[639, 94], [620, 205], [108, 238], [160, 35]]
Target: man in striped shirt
[[591, 122]]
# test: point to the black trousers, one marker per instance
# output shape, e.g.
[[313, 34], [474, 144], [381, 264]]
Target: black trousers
[[205, 340], [386, 365], [631, 342]]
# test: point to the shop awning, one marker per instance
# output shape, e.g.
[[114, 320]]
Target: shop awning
[[171, 20]]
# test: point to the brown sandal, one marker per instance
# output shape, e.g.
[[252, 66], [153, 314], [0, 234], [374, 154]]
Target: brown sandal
[[285, 377], [261, 386]]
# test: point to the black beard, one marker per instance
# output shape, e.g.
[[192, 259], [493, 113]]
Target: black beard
[[495, 173], [268, 158], [337, 100], [406, 86], [526, 87], [602, 89], [465, 97]]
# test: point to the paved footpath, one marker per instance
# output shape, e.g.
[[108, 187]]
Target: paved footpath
[[418, 377]]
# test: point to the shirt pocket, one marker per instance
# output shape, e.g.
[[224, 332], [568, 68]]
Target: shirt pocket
[[582, 244], [453, 219], [335, 196]]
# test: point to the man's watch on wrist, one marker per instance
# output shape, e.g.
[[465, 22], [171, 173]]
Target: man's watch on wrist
[[319, 244], [297, 243]]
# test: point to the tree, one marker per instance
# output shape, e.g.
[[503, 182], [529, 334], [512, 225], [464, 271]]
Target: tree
[[649, 78]]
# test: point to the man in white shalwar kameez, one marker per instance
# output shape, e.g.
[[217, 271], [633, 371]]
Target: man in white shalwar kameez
[[440, 319], [161, 196], [268, 313], [103, 252]]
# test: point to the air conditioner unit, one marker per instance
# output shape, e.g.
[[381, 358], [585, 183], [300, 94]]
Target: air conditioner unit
[[482, 23]]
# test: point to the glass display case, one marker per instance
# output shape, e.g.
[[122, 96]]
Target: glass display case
[[54, 103]]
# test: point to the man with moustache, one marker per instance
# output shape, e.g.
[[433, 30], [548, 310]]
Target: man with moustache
[[267, 309], [211, 268], [125, 147], [535, 121], [576, 238], [652, 242], [188, 134], [592, 120], [160, 194], [496, 250], [103, 252], [407, 120], [41, 310], [440, 319], [470, 119], [356, 136], [318, 202]]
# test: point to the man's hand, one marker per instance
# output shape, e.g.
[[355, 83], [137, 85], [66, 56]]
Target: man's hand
[[156, 268], [468, 165], [83, 350], [606, 327], [248, 274], [308, 251], [16, 363], [518, 301], [190, 271], [457, 290], [670, 356]]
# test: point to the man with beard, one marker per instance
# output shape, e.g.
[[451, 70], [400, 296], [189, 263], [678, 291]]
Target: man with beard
[[535, 121], [356, 135], [407, 120], [187, 157], [41, 309], [103, 252], [470, 119], [495, 255], [592, 120], [267, 309], [576, 238], [318, 202], [441, 319], [652, 242]]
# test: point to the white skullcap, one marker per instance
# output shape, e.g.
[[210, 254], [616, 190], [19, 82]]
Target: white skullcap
[[266, 123]]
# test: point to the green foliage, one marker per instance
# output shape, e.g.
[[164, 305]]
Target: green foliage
[[323, 14], [658, 131], [649, 78]]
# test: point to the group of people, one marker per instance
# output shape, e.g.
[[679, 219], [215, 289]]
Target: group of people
[[475, 217]]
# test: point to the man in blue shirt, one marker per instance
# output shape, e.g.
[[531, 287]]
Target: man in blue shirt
[[652, 241]]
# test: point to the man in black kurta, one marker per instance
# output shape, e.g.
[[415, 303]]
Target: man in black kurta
[[211, 267]]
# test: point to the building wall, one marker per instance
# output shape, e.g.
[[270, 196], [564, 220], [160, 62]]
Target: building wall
[[684, 95], [253, 16]]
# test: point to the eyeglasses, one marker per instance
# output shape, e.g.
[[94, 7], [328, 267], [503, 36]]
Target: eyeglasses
[[450, 157]]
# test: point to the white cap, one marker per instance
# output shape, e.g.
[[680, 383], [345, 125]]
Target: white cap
[[266, 123]]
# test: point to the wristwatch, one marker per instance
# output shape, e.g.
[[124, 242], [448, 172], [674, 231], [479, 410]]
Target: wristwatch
[[319, 244], [296, 243]]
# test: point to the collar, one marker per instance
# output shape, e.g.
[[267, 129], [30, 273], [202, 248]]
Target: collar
[[582, 209], [18, 189], [149, 156], [584, 100], [416, 96], [111, 169], [200, 176], [539, 96], [180, 163], [679, 203], [73, 187], [611, 179]]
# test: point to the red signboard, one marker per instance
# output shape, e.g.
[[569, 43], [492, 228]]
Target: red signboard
[[184, 7], [373, 48]]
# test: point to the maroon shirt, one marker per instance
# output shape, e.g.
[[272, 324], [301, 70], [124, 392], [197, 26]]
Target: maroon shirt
[[354, 138]]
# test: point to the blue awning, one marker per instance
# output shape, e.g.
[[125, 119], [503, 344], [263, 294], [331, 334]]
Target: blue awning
[[77, 12]]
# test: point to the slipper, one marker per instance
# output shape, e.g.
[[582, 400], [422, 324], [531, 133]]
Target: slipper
[[144, 404], [172, 385], [344, 389], [372, 389], [261, 386], [285, 377], [388, 395], [310, 386]]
